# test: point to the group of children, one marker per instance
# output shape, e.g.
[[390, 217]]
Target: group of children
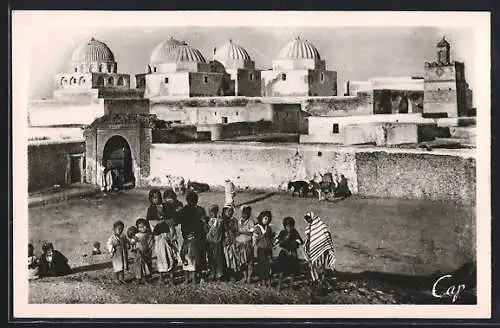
[[215, 245]]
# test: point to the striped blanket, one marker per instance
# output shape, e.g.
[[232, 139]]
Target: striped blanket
[[320, 242]]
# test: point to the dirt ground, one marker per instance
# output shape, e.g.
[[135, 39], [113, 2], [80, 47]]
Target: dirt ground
[[388, 251]]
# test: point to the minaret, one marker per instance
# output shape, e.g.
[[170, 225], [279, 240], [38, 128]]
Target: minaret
[[443, 53]]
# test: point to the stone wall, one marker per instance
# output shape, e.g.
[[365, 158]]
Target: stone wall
[[414, 175], [53, 113], [48, 164], [400, 174], [361, 104]]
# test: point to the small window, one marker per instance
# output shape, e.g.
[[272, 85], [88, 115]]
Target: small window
[[335, 128], [322, 77], [154, 69], [224, 119], [449, 89], [439, 89], [251, 76], [76, 69], [236, 113], [283, 77], [166, 80], [205, 79], [319, 154], [215, 113]]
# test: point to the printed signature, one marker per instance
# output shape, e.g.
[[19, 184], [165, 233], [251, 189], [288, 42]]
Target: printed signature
[[442, 289]]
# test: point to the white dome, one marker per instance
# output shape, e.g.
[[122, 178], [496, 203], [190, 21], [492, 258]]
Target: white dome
[[185, 53], [162, 50], [231, 51], [299, 49], [93, 51]]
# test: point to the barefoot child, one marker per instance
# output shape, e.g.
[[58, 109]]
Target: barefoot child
[[263, 243], [166, 249], [214, 241], [155, 209], [96, 250], [289, 241], [117, 247], [143, 242], [230, 231], [244, 246]]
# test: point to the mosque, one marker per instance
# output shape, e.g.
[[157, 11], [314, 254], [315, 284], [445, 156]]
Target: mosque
[[183, 97]]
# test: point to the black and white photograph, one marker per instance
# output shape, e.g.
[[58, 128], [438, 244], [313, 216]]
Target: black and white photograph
[[188, 162]]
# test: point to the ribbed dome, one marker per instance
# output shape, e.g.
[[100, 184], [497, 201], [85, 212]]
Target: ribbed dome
[[231, 51], [299, 49], [161, 51], [92, 51], [185, 53]]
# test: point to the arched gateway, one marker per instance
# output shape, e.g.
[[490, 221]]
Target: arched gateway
[[120, 140]]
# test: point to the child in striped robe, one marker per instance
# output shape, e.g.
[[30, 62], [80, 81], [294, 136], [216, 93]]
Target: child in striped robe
[[319, 249]]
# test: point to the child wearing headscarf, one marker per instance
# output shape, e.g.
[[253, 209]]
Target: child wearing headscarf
[[244, 246], [262, 239], [319, 248], [289, 241], [155, 209], [166, 249]]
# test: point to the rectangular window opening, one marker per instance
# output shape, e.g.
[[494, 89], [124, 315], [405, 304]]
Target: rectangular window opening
[[335, 128], [166, 80]]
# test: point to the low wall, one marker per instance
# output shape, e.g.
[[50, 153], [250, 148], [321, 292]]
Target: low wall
[[394, 173], [48, 164]]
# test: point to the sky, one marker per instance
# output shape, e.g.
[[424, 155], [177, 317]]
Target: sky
[[356, 53]]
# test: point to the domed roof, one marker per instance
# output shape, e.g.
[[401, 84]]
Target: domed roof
[[185, 53], [161, 51], [299, 49], [443, 43], [231, 51], [92, 51]]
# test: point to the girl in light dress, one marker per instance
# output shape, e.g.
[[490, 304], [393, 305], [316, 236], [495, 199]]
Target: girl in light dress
[[166, 249], [244, 246], [118, 248]]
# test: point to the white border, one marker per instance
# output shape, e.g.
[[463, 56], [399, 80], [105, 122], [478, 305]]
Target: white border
[[22, 22]]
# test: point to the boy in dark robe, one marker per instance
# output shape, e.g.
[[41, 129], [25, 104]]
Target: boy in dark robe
[[52, 262]]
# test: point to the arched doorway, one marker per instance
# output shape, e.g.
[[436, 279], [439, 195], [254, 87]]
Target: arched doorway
[[403, 105], [117, 153]]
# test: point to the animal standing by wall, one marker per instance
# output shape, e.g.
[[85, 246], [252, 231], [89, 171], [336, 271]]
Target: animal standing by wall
[[300, 187]]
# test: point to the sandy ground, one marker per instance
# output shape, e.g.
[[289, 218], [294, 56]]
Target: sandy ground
[[388, 251]]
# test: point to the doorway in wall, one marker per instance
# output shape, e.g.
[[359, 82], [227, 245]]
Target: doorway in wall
[[117, 154], [76, 168]]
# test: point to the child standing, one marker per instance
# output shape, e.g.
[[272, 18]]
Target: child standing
[[143, 244], [166, 249], [289, 241], [96, 250], [263, 243], [32, 264], [117, 246], [214, 241], [230, 193], [155, 209], [230, 231], [244, 246]]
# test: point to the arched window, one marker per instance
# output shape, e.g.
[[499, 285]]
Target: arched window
[[283, 77], [111, 81], [81, 80], [75, 69], [102, 68], [154, 69], [63, 81], [121, 81], [72, 81], [100, 81], [110, 68], [92, 68]]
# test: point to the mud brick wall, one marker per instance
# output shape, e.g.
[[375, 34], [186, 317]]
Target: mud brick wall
[[416, 176], [340, 106], [48, 164]]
